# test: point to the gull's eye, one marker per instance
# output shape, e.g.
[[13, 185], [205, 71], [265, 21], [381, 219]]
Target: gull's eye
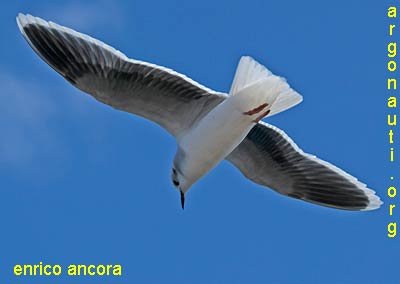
[[176, 183], [174, 171]]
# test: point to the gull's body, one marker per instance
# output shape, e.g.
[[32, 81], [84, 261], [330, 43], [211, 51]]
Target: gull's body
[[216, 135], [209, 142], [209, 126]]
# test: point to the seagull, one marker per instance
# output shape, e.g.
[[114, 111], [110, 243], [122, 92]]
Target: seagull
[[209, 126]]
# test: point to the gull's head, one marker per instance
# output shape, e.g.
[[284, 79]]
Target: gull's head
[[180, 183]]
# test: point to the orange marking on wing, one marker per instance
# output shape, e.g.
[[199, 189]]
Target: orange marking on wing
[[256, 110], [261, 116]]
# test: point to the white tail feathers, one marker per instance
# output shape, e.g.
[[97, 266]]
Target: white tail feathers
[[249, 72], [258, 98]]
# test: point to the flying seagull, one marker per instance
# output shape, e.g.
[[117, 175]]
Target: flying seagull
[[208, 126]]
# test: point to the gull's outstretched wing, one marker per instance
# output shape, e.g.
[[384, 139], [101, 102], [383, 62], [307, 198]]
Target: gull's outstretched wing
[[269, 157], [162, 95]]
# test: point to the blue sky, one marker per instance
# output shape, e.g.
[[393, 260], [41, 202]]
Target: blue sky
[[83, 183]]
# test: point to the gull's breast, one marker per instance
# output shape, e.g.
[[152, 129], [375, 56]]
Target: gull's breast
[[212, 139]]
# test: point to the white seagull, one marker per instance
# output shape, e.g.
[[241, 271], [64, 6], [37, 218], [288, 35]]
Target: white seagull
[[208, 126]]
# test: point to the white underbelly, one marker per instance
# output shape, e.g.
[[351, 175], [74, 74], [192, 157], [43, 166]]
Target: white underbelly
[[212, 139]]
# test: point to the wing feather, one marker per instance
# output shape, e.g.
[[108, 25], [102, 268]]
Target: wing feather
[[270, 158], [162, 95]]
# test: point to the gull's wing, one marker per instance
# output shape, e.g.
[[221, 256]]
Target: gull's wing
[[269, 157], [162, 95]]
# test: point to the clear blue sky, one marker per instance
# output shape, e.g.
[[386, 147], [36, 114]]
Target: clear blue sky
[[83, 183]]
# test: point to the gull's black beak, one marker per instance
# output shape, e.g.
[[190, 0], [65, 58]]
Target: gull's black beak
[[182, 199]]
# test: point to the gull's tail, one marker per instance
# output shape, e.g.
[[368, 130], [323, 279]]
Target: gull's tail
[[260, 92]]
